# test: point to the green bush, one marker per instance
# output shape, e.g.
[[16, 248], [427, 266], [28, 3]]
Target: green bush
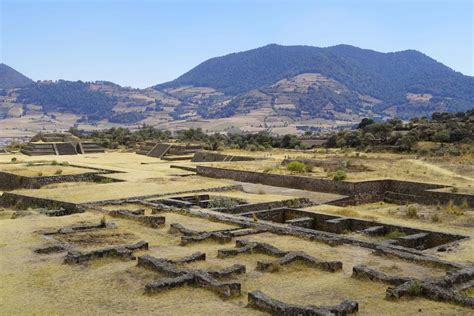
[[395, 234], [308, 168], [104, 180], [296, 166], [339, 175], [442, 136], [223, 202], [414, 289], [435, 218], [412, 212]]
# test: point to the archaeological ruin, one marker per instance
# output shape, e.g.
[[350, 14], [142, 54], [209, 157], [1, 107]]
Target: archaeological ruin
[[250, 241]]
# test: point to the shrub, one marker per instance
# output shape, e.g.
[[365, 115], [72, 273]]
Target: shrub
[[64, 163], [454, 189], [296, 166], [441, 136], [104, 180], [223, 202], [54, 163], [339, 175], [103, 222], [435, 218], [255, 218], [412, 212], [13, 159], [395, 234], [59, 171], [40, 174], [453, 209], [252, 147], [414, 289]]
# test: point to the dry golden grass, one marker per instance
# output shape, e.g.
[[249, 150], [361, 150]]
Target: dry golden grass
[[43, 285], [44, 170]]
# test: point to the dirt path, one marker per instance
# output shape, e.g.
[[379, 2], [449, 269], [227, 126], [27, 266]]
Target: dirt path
[[439, 169]]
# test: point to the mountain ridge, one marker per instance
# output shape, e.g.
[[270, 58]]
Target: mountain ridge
[[276, 85], [339, 53], [11, 78]]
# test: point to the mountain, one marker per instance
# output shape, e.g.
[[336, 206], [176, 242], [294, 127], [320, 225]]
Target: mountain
[[68, 96], [400, 83], [10, 78], [284, 89]]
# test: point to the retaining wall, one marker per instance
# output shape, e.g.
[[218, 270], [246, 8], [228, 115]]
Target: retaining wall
[[358, 192], [22, 202], [10, 181], [207, 156]]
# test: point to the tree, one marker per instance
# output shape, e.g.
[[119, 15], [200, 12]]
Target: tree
[[442, 136], [365, 122], [406, 143]]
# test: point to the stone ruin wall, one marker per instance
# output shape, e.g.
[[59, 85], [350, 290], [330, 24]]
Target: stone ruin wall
[[10, 181], [22, 201], [207, 156], [358, 192]]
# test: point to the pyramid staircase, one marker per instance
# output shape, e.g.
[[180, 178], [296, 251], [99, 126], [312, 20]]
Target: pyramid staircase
[[39, 149], [156, 150], [61, 148], [65, 149], [90, 148]]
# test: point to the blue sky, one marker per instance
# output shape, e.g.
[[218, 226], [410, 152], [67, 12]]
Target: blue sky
[[141, 43]]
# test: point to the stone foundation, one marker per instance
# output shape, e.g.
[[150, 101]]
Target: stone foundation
[[153, 221], [359, 192], [437, 289], [260, 301], [285, 257], [123, 252], [179, 277], [364, 272], [207, 156]]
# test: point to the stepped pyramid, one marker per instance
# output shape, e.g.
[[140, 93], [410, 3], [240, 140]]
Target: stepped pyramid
[[59, 144], [165, 150]]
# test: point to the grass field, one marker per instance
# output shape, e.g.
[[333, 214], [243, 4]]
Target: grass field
[[43, 285], [33, 284]]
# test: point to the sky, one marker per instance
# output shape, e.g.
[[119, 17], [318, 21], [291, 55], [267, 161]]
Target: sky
[[142, 43]]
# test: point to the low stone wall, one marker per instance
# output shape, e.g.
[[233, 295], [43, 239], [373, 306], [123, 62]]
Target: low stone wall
[[415, 238], [358, 192], [367, 191], [10, 181], [207, 156], [332, 165], [260, 301], [23, 202], [153, 221], [297, 202]]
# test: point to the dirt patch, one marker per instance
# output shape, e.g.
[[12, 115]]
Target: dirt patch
[[96, 239]]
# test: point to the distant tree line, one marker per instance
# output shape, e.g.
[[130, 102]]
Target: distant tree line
[[117, 137], [68, 96], [394, 134], [441, 128]]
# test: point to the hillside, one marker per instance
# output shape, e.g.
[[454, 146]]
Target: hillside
[[10, 78], [282, 89], [402, 83]]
